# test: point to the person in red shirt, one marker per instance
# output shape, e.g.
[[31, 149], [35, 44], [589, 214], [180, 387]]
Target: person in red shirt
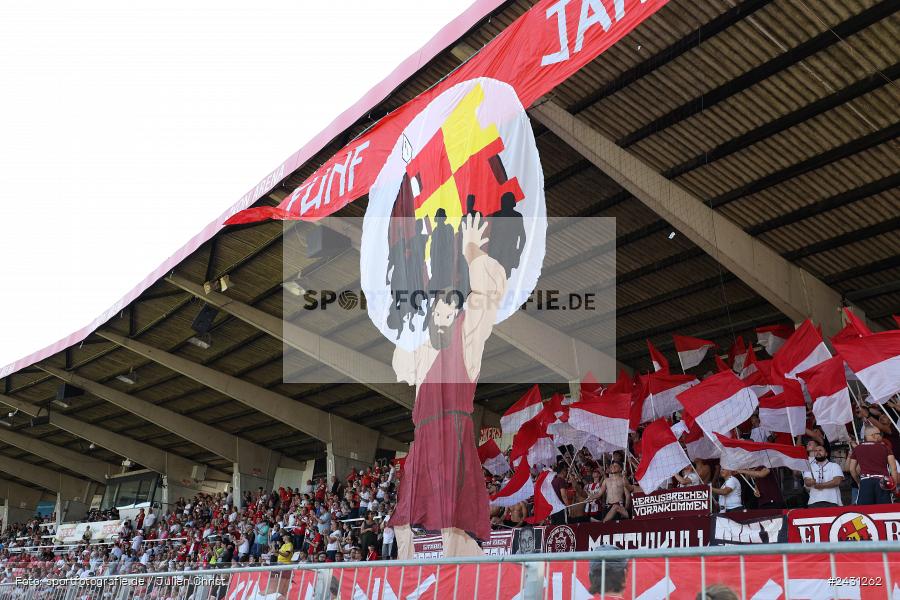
[[373, 554], [871, 463]]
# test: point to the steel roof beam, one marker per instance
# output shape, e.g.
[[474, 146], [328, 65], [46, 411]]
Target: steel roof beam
[[308, 419], [76, 462], [791, 289], [67, 486]]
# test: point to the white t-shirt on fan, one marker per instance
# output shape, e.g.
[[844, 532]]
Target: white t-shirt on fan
[[732, 500], [823, 473]]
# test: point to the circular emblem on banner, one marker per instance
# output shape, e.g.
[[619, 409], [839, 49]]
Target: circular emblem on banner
[[561, 539], [853, 527], [470, 151]]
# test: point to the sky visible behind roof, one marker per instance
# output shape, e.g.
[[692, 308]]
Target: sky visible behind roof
[[125, 128]]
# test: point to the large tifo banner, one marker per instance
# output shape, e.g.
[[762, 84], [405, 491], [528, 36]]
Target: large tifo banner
[[540, 50], [694, 501]]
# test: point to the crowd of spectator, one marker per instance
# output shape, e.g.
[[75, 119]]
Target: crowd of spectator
[[348, 519]]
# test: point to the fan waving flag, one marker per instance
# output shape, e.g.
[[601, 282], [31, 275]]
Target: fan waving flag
[[744, 454], [773, 337], [691, 350], [661, 456], [719, 403], [526, 408], [660, 363], [657, 396], [827, 386], [784, 412], [546, 502], [492, 459], [519, 488], [605, 417], [803, 351], [876, 361]]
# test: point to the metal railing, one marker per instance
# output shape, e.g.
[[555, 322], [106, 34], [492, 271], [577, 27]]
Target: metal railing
[[828, 570]]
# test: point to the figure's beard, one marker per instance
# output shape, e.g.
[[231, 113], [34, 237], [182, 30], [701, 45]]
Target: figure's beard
[[441, 336], [821, 458]]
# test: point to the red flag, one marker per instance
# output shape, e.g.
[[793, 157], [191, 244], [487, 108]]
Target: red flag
[[762, 379], [691, 351], [773, 337], [737, 354], [661, 456], [719, 403], [526, 408], [827, 386], [534, 443], [590, 385], [656, 357], [744, 454], [784, 412], [858, 324], [546, 502], [721, 364], [623, 384], [876, 361], [897, 319], [606, 417], [492, 459], [656, 396], [698, 444], [804, 350], [519, 488]]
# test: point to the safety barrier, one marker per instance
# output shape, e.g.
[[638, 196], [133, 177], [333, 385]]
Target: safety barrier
[[861, 570]]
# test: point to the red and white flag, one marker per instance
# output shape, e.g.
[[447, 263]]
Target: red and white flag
[[656, 396], [590, 385], [534, 444], [492, 459], [773, 337], [827, 386], [721, 365], [691, 350], [661, 456], [598, 447], [519, 488], [525, 409], [750, 364], [605, 416], [854, 328], [784, 412], [876, 361], [719, 403], [744, 454], [546, 502], [698, 444], [564, 434], [660, 363], [737, 355], [803, 351], [762, 379]]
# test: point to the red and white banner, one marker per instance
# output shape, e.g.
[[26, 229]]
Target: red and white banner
[[661, 456], [546, 501], [827, 386], [633, 534], [744, 454], [784, 412], [534, 54], [656, 396], [605, 416], [691, 351], [804, 350], [773, 337], [660, 362], [492, 459], [720, 403], [252, 586], [876, 361], [526, 408], [519, 488]]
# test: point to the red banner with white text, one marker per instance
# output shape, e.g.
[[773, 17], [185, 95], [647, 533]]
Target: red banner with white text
[[537, 52]]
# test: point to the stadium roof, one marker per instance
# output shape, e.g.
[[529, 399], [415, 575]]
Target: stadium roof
[[780, 117]]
